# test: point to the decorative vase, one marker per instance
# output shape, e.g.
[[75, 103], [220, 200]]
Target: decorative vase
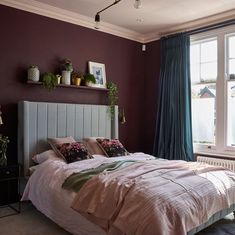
[[66, 77], [33, 74], [76, 81], [3, 160], [58, 79]]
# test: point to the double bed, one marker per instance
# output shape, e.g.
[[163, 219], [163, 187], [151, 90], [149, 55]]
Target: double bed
[[38, 121]]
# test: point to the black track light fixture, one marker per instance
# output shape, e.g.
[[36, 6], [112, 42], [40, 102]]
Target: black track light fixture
[[137, 5]]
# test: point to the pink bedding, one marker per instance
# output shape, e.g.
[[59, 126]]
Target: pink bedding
[[156, 197]]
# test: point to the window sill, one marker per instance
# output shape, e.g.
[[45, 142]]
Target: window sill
[[227, 156]]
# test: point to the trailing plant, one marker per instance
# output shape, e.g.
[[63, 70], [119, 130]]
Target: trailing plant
[[113, 97], [89, 78], [3, 150], [49, 81]]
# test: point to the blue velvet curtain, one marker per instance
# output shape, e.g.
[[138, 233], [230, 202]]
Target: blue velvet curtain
[[173, 137]]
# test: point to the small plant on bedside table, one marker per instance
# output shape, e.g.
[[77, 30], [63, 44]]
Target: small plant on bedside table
[[3, 150]]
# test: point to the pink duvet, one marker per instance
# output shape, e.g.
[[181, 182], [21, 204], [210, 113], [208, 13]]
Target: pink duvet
[[156, 197]]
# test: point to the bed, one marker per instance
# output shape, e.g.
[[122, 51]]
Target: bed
[[40, 120]]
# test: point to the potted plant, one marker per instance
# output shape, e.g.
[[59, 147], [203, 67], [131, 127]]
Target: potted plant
[[112, 96], [67, 68], [77, 77], [49, 81], [33, 73], [3, 150], [89, 79]]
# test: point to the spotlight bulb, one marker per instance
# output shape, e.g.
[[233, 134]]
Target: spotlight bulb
[[137, 4], [97, 21]]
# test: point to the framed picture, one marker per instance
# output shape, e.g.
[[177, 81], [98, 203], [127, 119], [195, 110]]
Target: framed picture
[[98, 70]]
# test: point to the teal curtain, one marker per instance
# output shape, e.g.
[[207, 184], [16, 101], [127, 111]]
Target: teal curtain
[[173, 137]]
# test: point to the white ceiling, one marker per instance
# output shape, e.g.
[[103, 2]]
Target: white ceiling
[[155, 16]]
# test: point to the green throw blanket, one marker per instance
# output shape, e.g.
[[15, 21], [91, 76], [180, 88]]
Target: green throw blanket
[[75, 181]]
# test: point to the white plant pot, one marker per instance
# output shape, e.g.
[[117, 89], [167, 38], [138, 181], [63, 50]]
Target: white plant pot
[[66, 77], [33, 74]]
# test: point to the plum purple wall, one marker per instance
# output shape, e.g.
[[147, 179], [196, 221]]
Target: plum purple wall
[[28, 39], [151, 88]]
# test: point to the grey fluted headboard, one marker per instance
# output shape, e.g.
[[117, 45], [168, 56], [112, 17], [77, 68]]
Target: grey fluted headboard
[[39, 120]]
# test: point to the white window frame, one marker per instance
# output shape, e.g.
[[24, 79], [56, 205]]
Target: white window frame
[[220, 147], [227, 79]]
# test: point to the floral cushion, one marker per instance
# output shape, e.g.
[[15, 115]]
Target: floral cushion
[[73, 152], [112, 148], [55, 142]]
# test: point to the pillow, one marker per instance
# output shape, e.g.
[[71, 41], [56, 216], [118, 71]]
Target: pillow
[[32, 169], [112, 148], [72, 152], [92, 146], [55, 142], [42, 157]]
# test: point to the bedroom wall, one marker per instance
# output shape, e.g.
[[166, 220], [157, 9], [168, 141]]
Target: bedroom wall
[[28, 39], [151, 88]]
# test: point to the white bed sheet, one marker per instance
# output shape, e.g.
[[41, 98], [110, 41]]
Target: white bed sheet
[[44, 190]]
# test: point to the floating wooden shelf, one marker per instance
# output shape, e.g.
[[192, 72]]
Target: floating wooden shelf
[[73, 86]]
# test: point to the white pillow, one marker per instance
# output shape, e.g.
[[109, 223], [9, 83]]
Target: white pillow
[[32, 169], [42, 157]]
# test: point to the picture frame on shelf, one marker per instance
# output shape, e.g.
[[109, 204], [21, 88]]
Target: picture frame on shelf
[[98, 70]]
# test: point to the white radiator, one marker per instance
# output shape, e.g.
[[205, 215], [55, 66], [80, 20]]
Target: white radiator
[[230, 164]]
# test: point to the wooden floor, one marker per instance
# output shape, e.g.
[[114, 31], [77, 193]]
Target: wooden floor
[[32, 222]]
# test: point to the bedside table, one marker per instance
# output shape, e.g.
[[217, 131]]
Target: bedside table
[[9, 184]]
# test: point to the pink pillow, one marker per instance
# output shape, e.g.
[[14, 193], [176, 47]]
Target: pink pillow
[[92, 146]]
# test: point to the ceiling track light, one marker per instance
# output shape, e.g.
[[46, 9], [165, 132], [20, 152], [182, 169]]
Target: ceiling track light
[[97, 21], [137, 5]]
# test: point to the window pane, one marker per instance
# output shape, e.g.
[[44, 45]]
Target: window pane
[[195, 73], [231, 64], [195, 54], [209, 51], [231, 47], [203, 102], [195, 63], [209, 71], [231, 114]]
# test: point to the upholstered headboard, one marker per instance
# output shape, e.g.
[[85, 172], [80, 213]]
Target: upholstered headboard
[[39, 120]]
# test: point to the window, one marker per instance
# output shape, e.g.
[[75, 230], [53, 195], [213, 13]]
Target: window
[[231, 90], [203, 59], [212, 66]]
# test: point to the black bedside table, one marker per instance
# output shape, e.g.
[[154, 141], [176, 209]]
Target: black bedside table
[[9, 184]]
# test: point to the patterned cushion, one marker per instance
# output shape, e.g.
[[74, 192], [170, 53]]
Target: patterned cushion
[[55, 142], [112, 148], [73, 152]]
